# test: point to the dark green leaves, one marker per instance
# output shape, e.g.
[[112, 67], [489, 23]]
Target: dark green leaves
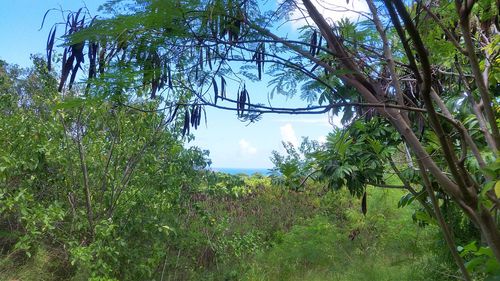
[[356, 156], [409, 198]]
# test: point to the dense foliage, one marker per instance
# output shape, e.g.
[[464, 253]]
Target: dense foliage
[[97, 173], [153, 212], [93, 180], [428, 70]]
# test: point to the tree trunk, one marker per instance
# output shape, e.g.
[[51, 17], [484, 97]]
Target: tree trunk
[[490, 231]]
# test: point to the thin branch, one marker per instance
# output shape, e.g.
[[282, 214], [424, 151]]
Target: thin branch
[[464, 12], [425, 89], [442, 223], [83, 164]]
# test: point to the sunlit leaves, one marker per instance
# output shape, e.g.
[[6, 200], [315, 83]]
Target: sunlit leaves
[[356, 156]]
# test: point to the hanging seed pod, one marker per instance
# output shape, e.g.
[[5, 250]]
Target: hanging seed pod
[[200, 63], [64, 61], [319, 44], [65, 56], [77, 51], [223, 87], [154, 88], [67, 66], [313, 42], [262, 54], [173, 114], [204, 115], [258, 57], [222, 27], [198, 119], [237, 28], [169, 70], [259, 70], [216, 90], [363, 204], [247, 98], [156, 75], [242, 100], [256, 54], [92, 54], [199, 114], [209, 59], [193, 115], [238, 19], [50, 46], [185, 129], [259, 63], [238, 105]]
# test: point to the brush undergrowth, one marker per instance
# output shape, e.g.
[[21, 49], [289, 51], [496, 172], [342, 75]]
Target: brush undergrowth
[[384, 245], [253, 230]]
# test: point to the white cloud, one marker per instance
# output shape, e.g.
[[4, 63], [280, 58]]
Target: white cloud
[[246, 148], [332, 10], [288, 134], [321, 139]]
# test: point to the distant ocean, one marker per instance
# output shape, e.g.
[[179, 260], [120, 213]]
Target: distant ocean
[[235, 171]]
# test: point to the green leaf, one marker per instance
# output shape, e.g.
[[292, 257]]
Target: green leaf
[[70, 103], [376, 145], [469, 248], [425, 217]]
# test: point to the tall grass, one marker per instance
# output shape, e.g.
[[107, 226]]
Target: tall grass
[[387, 245]]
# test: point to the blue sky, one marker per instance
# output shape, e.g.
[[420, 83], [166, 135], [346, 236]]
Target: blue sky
[[232, 144], [20, 21]]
